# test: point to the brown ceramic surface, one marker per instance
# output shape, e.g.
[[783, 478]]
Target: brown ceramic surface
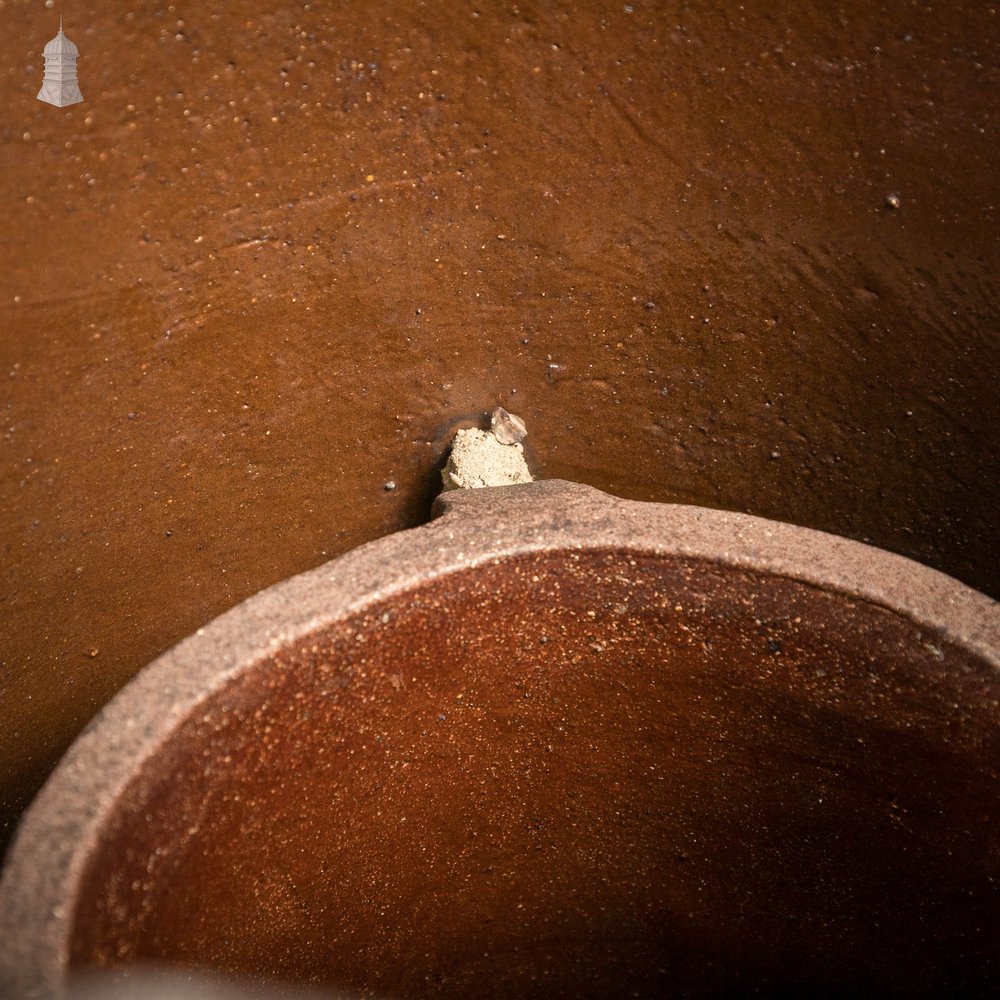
[[282, 248], [551, 744]]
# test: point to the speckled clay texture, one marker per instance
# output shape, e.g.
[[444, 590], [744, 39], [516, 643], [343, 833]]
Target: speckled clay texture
[[551, 743]]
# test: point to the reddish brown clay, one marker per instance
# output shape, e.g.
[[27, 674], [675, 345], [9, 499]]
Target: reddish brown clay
[[551, 744], [283, 249]]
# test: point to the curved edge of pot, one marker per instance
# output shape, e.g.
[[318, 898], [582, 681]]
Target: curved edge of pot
[[471, 527]]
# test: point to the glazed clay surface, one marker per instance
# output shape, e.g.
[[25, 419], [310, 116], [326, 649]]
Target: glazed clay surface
[[551, 744], [281, 251]]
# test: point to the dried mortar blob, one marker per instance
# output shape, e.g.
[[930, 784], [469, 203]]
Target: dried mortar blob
[[478, 459], [507, 428]]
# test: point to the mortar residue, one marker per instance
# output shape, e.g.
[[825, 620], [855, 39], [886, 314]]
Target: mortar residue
[[478, 459]]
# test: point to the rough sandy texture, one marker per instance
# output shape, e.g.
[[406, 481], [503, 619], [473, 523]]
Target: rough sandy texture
[[478, 459]]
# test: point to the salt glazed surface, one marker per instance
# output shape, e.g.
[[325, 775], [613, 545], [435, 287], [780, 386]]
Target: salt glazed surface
[[543, 677]]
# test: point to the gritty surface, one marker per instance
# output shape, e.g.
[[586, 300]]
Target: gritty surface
[[574, 774], [760, 622], [278, 254], [478, 458]]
